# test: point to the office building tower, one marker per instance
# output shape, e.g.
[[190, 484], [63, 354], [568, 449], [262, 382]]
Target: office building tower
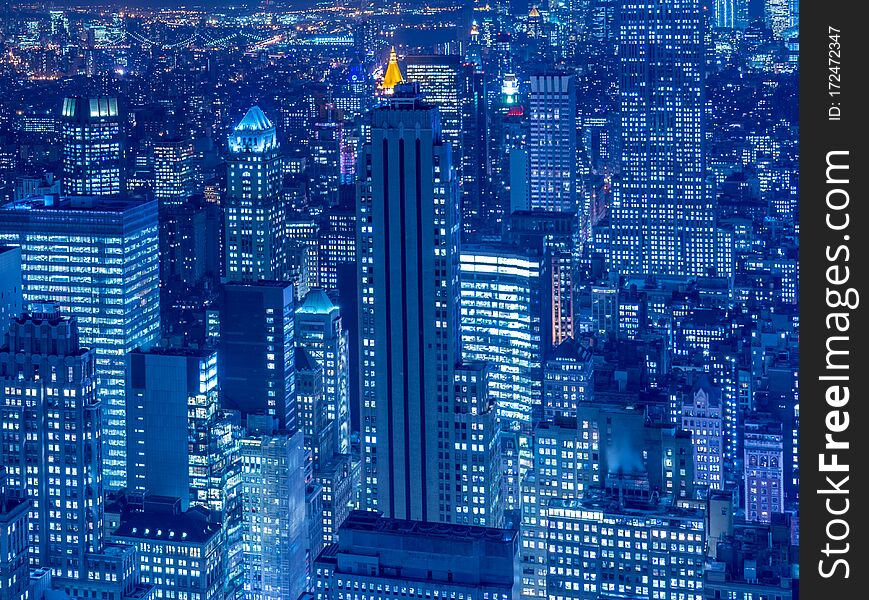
[[253, 212], [560, 454], [763, 477], [408, 233], [336, 245], [14, 543], [605, 310], [48, 384], [479, 498], [319, 329], [567, 380], [274, 526], [501, 322], [11, 288], [554, 233], [391, 77], [552, 143], [459, 93], [329, 491], [179, 443], [662, 217], [109, 248], [113, 571], [317, 429], [173, 171], [326, 146], [601, 549], [190, 254], [257, 350], [702, 417], [215, 481], [192, 540], [92, 134], [476, 562]]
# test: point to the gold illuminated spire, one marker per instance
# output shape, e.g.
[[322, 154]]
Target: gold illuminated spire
[[393, 74], [534, 12]]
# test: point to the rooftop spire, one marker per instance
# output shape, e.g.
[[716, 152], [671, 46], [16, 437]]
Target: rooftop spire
[[393, 74]]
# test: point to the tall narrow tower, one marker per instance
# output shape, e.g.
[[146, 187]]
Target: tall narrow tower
[[662, 217], [93, 147], [254, 217], [408, 232]]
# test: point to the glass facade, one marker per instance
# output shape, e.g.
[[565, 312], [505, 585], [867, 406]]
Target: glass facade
[[98, 259]]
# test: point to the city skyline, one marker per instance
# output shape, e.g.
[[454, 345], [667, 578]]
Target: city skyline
[[496, 300]]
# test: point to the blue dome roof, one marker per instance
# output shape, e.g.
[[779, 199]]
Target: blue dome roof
[[254, 120]]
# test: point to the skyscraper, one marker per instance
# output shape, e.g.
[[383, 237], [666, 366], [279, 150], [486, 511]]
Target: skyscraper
[[501, 322], [173, 171], [93, 146], [319, 328], [661, 215], [48, 384], [552, 143], [408, 233], [109, 249], [458, 91], [257, 341], [254, 243], [649, 563], [274, 530]]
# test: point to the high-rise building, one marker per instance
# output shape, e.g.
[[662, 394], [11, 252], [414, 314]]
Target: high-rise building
[[173, 171], [254, 243], [476, 563], [552, 143], [662, 217], [408, 233], [109, 249], [479, 470], [274, 526], [11, 288], [703, 418], [92, 133], [48, 384], [326, 145], [257, 350], [501, 312], [458, 90], [601, 549], [319, 329], [567, 380], [763, 476], [336, 244], [179, 443]]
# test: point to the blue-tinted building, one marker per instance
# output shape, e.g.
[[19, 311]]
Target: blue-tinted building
[[662, 215], [257, 350], [48, 383], [98, 259], [501, 310]]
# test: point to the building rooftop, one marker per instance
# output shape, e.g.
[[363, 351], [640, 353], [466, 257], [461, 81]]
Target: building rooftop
[[108, 204], [360, 520], [316, 302], [184, 528], [254, 120]]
